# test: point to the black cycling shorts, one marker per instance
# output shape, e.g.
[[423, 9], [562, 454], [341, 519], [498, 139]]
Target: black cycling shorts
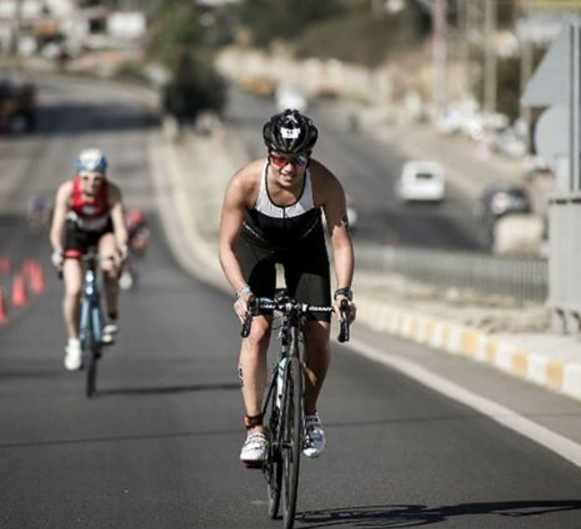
[[306, 271], [78, 241]]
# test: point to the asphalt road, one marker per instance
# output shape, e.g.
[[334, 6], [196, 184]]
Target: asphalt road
[[158, 446]]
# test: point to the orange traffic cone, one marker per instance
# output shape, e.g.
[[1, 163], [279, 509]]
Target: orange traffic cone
[[34, 273], [3, 315], [38, 285], [19, 297]]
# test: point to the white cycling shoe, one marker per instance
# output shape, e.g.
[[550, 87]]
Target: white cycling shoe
[[314, 441], [126, 280], [253, 451], [110, 333], [73, 355]]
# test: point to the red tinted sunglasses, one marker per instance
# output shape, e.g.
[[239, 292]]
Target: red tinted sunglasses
[[280, 160]]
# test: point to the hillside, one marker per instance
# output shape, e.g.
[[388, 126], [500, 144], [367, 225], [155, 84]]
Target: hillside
[[363, 38]]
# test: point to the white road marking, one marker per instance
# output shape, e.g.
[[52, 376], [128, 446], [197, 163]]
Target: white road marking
[[557, 443]]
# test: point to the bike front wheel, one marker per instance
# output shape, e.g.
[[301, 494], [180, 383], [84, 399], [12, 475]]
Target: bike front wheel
[[92, 353], [273, 464], [91, 372], [292, 435]]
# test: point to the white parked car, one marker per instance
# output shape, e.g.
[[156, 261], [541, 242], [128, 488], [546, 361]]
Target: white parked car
[[421, 181], [352, 214]]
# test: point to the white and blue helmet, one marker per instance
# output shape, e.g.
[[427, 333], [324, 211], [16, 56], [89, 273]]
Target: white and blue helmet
[[91, 160]]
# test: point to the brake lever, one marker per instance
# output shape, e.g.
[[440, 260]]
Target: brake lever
[[344, 332], [251, 310]]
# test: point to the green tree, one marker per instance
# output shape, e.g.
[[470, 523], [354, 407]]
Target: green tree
[[176, 40]]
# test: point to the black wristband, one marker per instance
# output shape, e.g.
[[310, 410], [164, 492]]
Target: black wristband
[[252, 421], [347, 292]]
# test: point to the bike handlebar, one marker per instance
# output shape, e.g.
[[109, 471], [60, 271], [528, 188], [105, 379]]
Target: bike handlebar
[[255, 305], [89, 256]]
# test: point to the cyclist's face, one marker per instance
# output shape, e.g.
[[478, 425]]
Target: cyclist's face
[[92, 180], [289, 168]]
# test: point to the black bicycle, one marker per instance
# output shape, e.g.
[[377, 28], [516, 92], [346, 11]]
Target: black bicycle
[[283, 408]]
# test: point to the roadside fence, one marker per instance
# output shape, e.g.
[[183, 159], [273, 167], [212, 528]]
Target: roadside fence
[[522, 278]]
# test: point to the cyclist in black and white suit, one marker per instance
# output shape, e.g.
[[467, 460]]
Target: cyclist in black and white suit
[[272, 213]]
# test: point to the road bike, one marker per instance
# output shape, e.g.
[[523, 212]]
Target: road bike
[[283, 407], [91, 321]]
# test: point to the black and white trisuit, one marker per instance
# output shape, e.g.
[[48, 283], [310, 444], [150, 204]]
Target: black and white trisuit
[[291, 235]]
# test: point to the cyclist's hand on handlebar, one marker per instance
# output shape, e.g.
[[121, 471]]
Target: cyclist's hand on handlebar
[[57, 259], [251, 308], [123, 253], [351, 314], [241, 305], [345, 310]]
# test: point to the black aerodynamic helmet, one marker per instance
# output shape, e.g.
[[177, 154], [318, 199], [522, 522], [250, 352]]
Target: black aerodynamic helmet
[[290, 132]]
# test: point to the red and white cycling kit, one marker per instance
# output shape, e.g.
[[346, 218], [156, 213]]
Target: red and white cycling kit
[[88, 219]]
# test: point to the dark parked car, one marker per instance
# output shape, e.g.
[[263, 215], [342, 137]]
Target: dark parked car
[[17, 104], [498, 201]]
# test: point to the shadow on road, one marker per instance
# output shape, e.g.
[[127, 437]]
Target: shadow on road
[[390, 516], [169, 389], [75, 118]]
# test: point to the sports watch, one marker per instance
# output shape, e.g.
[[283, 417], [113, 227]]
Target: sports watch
[[346, 291]]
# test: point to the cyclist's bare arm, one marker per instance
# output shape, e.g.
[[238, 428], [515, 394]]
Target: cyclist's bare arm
[[240, 194], [61, 206], [118, 218], [331, 196]]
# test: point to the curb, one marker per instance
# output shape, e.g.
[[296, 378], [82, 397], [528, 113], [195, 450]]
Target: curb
[[182, 232], [554, 374]]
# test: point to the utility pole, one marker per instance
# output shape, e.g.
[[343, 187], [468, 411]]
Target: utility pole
[[473, 42], [464, 52], [16, 28], [526, 70], [490, 60], [440, 54]]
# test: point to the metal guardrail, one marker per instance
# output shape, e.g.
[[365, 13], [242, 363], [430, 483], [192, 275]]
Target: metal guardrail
[[525, 279]]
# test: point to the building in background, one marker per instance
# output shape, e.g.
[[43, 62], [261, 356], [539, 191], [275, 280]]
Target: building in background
[[49, 27]]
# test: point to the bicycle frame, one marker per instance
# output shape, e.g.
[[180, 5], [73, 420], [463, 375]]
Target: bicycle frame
[[91, 321], [91, 314], [285, 413], [286, 419]]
